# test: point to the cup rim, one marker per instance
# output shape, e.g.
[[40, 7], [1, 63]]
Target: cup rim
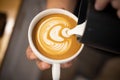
[[35, 21]]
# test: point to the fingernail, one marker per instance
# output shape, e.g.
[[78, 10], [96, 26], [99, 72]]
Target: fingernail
[[45, 66], [118, 13], [97, 7], [32, 57], [67, 65]]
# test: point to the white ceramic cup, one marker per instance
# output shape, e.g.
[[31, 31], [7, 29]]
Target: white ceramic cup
[[55, 63]]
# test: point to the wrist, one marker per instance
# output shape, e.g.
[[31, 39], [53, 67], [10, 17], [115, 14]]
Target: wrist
[[62, 4]]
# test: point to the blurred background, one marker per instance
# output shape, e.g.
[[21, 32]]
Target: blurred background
[[15, 17]]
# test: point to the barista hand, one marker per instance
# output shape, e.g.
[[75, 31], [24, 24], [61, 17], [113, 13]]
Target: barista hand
[[42, 65], [101, 4]]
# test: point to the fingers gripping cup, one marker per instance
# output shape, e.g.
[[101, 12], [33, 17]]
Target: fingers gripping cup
[[46, 38]]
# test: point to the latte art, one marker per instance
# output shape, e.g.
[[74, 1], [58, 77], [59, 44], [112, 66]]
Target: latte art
[[54, 34], [49, 40]]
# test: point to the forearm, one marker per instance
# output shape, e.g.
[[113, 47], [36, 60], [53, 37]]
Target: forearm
[[63, 4]]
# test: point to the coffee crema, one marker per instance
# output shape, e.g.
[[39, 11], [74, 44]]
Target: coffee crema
[[48, 39]]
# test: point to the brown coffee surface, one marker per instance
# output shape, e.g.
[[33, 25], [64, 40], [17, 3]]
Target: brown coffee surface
[[48, 39]]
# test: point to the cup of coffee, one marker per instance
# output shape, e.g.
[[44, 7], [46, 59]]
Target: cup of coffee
[[48, 41]]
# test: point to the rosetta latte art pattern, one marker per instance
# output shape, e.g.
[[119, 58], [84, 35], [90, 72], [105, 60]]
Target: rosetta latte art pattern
[[49, 39]]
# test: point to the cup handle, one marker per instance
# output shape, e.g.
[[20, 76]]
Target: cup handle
[[56, 71]]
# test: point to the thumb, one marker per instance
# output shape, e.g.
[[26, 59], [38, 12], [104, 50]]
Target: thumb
[[101, 4]]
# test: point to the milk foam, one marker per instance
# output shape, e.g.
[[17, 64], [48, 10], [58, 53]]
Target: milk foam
[[54, 34]]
